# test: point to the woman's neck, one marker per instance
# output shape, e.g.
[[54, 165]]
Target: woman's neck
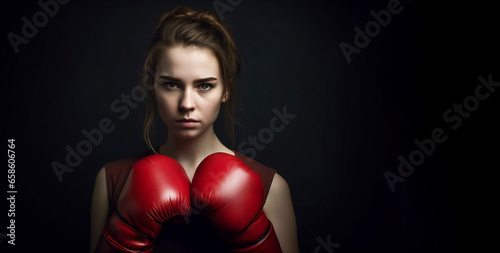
[[192, 151]]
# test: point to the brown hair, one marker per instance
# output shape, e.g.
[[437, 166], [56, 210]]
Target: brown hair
[[203, 29]]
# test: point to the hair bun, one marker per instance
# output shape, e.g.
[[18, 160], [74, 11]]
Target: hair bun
[[186, 12]]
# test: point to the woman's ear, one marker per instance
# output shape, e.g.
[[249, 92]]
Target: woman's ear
[[225, 97]]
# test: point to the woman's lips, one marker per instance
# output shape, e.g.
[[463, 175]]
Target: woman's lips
[[187, 123]]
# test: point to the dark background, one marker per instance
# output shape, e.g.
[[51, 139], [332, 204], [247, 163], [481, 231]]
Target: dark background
[[353, 120]]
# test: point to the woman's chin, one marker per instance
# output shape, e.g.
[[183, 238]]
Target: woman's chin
[[187, 135]]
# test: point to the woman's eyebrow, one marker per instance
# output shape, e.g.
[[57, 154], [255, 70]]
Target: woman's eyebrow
[[170, 78], [204, 80], [178, 80]]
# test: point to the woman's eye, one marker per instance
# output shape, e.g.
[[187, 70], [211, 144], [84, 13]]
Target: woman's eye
[[205, 86], [170, 85]]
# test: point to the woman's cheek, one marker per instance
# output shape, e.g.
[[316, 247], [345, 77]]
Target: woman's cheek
[[213, 110]]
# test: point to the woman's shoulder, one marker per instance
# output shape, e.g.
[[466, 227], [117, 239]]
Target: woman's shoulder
[[117, 170], [254, 164]]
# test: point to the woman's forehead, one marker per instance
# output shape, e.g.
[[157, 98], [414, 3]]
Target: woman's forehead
[[188, 63]]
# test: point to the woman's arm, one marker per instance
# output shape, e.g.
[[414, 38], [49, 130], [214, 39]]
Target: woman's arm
[[99, 209], [279, 210]]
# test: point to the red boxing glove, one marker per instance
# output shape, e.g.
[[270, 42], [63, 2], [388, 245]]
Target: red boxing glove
[[156, 189], [232, 196]]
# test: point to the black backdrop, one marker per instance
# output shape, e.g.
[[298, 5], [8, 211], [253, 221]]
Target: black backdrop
[[353, 120]]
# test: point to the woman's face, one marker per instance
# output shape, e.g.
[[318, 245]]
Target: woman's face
[[188, 89]]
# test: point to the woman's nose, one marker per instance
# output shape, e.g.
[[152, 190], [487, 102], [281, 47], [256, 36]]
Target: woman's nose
[[186, 102]]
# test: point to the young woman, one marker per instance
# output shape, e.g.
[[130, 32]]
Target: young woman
[[192, 193]]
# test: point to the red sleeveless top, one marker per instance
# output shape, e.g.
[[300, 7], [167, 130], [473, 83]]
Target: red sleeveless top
[[195, 236]]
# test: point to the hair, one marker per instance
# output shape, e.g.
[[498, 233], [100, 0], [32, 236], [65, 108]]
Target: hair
[[202, 29]]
